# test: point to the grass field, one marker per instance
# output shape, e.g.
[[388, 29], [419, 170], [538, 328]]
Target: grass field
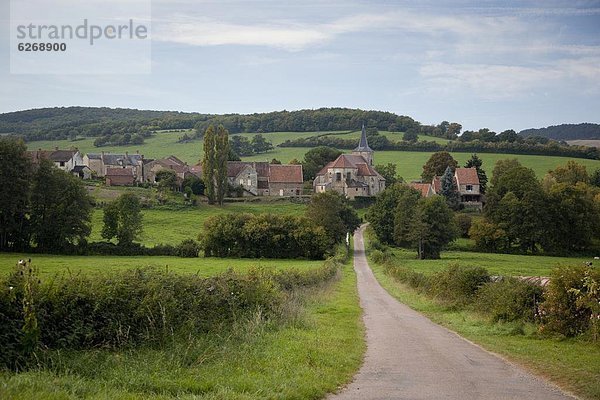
[[171, 227], [318, 350], [572, 364], [409, 163], [496, 264], [49, 265]]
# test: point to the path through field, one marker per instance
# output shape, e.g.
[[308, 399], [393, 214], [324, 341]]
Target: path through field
[[410, 357]]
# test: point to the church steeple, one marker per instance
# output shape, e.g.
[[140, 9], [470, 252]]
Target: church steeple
[[363, 148]]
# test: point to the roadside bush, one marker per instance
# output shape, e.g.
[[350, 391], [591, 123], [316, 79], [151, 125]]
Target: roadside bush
[[572, 300], [415, 280], [135, 307], [189, 248], [132, 249], [458, 284], [509, 299]]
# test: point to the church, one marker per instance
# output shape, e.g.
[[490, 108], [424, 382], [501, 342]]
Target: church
[[353, 174]]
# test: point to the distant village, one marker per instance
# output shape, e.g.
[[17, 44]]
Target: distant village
[[352, 175]]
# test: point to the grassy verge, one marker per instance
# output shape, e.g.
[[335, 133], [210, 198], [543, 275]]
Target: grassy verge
[[570, 363], [317, 348]]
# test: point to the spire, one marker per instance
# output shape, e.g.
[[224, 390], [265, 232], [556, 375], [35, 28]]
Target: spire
[[363, 145]]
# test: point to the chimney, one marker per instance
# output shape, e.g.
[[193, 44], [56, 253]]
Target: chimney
[[56, 148]]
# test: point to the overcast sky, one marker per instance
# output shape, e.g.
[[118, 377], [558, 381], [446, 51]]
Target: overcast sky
[[483, 64]]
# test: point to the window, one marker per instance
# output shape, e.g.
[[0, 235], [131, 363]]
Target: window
[[249, 182], [242, 182], [348, 176], [338, 176], [469, 188], [62, 163]]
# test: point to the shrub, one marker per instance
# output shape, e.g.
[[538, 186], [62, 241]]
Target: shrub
[[509, 299], [563, 311], [378, 256], [463, 222], [134, 307], [189, 248], [458, 284]]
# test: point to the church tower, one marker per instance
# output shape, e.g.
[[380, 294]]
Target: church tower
[[363, 148]]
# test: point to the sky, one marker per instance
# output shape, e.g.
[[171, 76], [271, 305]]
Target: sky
[[495, 64]]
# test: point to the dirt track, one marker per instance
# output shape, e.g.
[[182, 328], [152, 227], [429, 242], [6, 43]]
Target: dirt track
[[410, 357]]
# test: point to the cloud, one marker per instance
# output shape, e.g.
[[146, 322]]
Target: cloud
[[496, 82], [295, 36]]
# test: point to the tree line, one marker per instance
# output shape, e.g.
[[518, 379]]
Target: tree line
[[500, 144]]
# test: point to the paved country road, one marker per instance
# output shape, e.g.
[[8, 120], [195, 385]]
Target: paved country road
[[410, 357]]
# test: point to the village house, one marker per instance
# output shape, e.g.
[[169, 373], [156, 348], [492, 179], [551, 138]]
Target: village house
[[265, 179], [99, 163], [66, 160], [351, 175], [262, 178], [172, 163], [119, 177], [467, 182]]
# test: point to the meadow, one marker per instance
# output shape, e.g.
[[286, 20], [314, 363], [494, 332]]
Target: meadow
[[49, 264], [409, 163], [496, 264], [164, 226]]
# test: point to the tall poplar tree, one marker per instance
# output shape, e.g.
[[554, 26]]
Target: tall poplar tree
[[221, 157], [208, 164]]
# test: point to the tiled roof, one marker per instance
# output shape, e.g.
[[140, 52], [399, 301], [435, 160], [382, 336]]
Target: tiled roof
[[285, 173], [119, 172], [62, 155], [366, 170], [467, 176], [235, 167], [79, 168], [323, 170], [343, 161], [94, 156], [121, 159], [421, 187]]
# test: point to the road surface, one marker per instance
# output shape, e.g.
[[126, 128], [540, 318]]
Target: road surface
[[410, 357]]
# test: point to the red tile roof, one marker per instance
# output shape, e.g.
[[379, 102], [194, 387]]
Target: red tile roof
[[343, 161], [424, 188], [466, 176], [285, 173]]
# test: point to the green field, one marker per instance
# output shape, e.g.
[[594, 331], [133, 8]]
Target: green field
[[171, 227], [315, 350], [409, 163], [48, 264], [496, 264]]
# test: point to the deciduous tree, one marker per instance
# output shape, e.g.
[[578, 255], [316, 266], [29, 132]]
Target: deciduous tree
[[437, 164], [123, 219]]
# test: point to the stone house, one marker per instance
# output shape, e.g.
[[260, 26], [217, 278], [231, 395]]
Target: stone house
[[353, 174], [62, 159], [172, 163], [265, 179], [119, 177], [100, 162], [467, 182]]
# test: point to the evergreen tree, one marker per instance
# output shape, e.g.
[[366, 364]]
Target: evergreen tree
[[450, 190], [476, 162], [209, 163], [221, 157]]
